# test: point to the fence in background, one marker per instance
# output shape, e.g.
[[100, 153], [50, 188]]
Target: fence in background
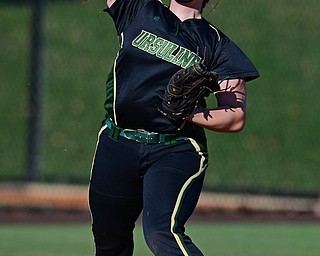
[[278, 153]]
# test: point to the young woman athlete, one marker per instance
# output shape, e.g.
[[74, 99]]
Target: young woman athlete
[[143, 160]]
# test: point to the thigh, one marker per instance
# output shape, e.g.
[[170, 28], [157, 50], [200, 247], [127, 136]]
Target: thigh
[[172, 187], [115, 192], [113, 217], [114, 170], [171, 190]]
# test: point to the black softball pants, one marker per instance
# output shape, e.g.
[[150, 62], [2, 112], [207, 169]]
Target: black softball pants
[[163, 180]]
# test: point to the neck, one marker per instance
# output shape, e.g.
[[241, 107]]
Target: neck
[[186, 11]]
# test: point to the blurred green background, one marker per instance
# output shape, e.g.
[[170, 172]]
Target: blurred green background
[[277, 153]]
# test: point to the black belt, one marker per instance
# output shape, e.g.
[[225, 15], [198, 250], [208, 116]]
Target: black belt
[[141, 136]]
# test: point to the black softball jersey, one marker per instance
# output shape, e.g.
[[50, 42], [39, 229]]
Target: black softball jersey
[[154, 44]]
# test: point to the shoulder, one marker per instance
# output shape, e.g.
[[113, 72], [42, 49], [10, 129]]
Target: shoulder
[[211, 29]]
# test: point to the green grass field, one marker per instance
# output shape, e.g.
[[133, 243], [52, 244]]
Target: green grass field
[[277, 153], [228, 239]]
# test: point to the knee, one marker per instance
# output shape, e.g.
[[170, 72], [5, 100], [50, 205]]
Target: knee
[[112, 244], [155, 238]]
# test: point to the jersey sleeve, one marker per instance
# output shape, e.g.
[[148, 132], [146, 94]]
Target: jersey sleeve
[[124, 11], [230, 62]]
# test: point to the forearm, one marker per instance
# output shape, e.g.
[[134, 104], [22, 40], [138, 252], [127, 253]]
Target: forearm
[[222, 119], [230, 115]]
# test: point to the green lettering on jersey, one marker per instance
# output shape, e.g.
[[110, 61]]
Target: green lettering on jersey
[[156, 45], [188, 59], [165, 49], [178, 55], [147, 43], [140, 38], [169, 55]]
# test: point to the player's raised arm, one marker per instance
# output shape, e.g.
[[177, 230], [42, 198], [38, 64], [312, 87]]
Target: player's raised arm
[[110, 2]]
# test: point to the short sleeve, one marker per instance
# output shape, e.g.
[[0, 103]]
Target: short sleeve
[[124, 11], [230, 62]]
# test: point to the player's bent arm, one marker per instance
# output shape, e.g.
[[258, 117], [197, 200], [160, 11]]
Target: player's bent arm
[[230, 115]]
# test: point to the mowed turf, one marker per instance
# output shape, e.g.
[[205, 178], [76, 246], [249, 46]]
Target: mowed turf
[[223, 239]]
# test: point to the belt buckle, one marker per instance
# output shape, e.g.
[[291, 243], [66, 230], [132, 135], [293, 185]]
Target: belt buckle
[[147, 136], [132, 133]]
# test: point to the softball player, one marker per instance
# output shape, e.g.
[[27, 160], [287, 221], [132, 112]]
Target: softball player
[[143, 160]]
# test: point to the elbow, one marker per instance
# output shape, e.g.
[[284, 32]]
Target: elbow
[[238, 127], [239, 124]]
